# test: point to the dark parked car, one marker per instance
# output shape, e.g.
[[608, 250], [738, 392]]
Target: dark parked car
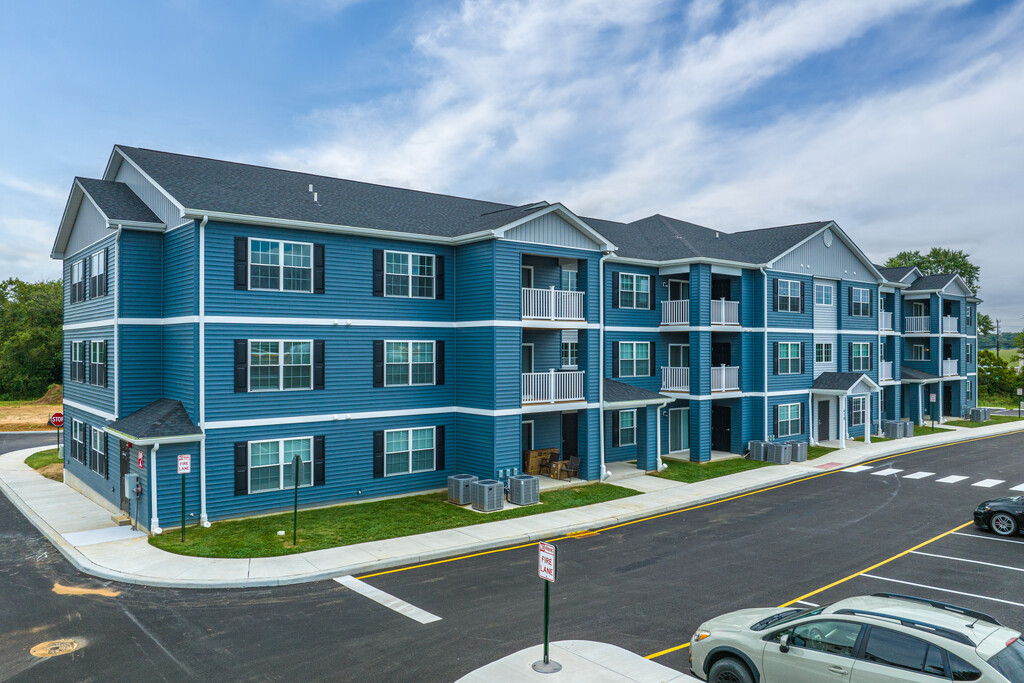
[[1005, 516]]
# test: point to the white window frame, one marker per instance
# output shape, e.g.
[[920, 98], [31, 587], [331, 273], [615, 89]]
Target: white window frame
[[823, 289], [78, 346], [78, 436], [280, 265], [98, 437], [77, 276], [573, 348], [858, 411], [409, 363], [792, 424], [409, 276], [823, 352], [793, 362], [526, 447], [970, 389], [93, 346], [789, 297], [633, 360], [671, 347], [635, 290], [864, 304], [281, 465], [409, 450], [685, 419], [522, 271], [969, 354], [97, 266], [280, 363], [864, 358], [925, 353], [969, 315], [569, 280], [623, 430]]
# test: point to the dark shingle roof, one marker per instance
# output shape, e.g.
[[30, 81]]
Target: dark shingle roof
[[117, 201], [918, 375], [161, 418], [837, 381], [928, 282], [894, 274], [618, 392]]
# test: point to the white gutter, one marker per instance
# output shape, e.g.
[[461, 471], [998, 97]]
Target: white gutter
[[765, 298], [154, 521], [661, 465], [203, 518], [117, 335], [600, 364]]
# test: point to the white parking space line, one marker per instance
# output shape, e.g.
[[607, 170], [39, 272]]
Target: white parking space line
[[988, 483], [887, 471], [987, 538], [918, 475], [952, 479], [1019, 487], [809, 604], [859, 468], [386, 599], [963, 559], [943, 590]]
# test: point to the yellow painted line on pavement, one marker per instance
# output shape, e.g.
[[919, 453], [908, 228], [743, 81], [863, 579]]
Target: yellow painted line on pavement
[[672, 512]]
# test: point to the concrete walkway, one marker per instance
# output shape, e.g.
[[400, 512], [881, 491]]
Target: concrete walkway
[[86, 536]]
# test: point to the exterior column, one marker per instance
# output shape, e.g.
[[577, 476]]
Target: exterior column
[[154, 521], [868, 414], [812, 430], [203, 518], [842, 421]]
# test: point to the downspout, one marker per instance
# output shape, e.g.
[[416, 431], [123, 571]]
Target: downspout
[[604, 474], [154, 521], [117, 335], [203, 518], [661, 465], [764, 319]]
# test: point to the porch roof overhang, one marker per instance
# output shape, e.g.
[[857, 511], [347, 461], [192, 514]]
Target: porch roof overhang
[[162, 421], [844, 384], [619, 395], [912, 376]]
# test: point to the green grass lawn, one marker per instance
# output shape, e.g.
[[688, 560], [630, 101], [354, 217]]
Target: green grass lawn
[[994, 420], [47, 463], [699, 471], [361, 522], [818, 451], [920, 430], [987, 400], [874, 439]]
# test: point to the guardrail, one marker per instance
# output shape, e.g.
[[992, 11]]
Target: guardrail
[[725, 312], [725, 378], [552, 386], [675, 379], [552, 304], [916, 323], [675, 312]]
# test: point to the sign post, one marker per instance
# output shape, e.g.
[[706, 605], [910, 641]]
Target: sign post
[[547, 557], [296, 463], [1020, 404], [57, 420], [931, 397], [184, 467]]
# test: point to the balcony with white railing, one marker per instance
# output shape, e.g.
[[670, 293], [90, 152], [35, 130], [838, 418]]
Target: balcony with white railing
[[949, 368], [885, 370], [675, 379], [552, 386], [725, 312], [916, 323], [552, 304], [725, 378], [675, 312], [950, 324], [885, 321]]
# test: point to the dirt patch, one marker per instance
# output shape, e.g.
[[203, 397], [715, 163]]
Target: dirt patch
[[54, 471], [26, 416], [54, 396]]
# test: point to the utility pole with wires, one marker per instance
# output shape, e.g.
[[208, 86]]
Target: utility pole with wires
[[997, 338]]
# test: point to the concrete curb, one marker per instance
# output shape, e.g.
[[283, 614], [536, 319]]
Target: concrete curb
[[87, 566]]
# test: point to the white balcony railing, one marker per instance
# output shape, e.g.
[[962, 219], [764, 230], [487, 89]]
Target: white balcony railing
[[552, 304], [885, 321], [725, 312], [950, 324], [675, 312], [552, 386], [949, 368], [885, 370], [675, 379], [725, 378], [916, 323]]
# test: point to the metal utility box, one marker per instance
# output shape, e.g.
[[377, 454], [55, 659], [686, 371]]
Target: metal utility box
[[908, 427], [757, 449], [131, 484], [892, 429], [524, 489], [459, 488], [980, 414], [799, 451], [779, 453], [488, 495]]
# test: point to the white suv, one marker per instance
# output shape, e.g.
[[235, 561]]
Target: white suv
[[881, 638]]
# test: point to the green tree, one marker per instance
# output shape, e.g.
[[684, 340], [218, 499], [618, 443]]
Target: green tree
[[985, 325], [995, 376], [30, 337], [940, 260]]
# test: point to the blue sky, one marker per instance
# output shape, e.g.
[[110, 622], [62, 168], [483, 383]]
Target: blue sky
[[903, 120]]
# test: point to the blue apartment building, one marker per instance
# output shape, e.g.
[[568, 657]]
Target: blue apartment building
[[389, 338]]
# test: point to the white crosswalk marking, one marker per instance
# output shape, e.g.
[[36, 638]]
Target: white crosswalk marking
[[887, 471], [1018, 488], [987, 483], [389, 601], [918, 475], [858, 468], [952, 479]]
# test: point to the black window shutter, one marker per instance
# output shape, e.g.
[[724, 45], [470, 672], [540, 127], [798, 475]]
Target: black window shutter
[[102, 284], [103, 457], [615, 429], [439, 277], [803, 357], [378, 454], [775, 414], [803, 419], [871, 360], [650, 361], [615, 359], [871, 304], [92, 286], [378, 272], [241, 263], [88, 445], [775, 290], [319, 466], [241, 365], [650, 293], [849, 358], [103, 368], [439, 447], [615, 289], [318, 364], [241, 468], [849, 296], [378, 362], [319, 259], [803, 295], [776, 345], [439, 361]]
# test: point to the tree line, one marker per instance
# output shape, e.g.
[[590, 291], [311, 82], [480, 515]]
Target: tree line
[[31, 318]]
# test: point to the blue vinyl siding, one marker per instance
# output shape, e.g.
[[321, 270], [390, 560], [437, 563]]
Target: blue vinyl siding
[[791, 381], [631, 317], [774, 401], [659, 358], [508, 382], [620, 453], [142, 372], [750, 292], [789, 319], [474, 365], [141, 277], [856, 322], [100, 308], [475, 281], [509, 258], [590, 450], [101, 398], [181, 271], [181, 365], [109, 487], [168, 485]]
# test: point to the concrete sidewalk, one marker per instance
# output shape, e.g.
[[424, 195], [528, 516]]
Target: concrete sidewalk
[[86, 536]]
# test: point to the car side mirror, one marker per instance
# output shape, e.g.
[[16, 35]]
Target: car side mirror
[[784, 643]]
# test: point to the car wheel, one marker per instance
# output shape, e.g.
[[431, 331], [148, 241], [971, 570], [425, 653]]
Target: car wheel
[[1003, 524], [729, 670]]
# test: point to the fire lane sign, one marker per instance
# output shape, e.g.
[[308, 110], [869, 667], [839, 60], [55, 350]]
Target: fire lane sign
[[547, 559], [184, 464], [142, 460]]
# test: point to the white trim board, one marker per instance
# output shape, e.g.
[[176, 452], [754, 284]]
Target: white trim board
[[89, 409]]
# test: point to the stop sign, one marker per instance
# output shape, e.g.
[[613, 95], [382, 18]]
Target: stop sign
[[57, 419]]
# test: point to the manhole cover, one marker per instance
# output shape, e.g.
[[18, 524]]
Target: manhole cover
[[52, 648]]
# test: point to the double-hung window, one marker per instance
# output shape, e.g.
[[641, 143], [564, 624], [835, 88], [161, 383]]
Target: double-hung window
[[860, 360], [409, 275], [97, 274], [858, 411], [922, 352], [822, 294], [570, 355], [408, 363], [970, 389], [789, 295], [569, 280], [407, 451], [271, 464], [970, 354], [77, 292], [970, 315], [822, 353], [78, 440], [627, 427], [634, 359], [98, 363], [789, 419], [98, 456], [789, 358], [280, 365], [860, 301], [281, 266], [78, 361], [634, 291]]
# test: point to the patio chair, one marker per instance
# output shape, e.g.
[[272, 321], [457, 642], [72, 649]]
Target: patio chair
[[573, 467]]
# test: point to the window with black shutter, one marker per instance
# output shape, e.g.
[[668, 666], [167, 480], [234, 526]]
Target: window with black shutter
[[241, 468], [378, 454], [318, 364], [319, 462]]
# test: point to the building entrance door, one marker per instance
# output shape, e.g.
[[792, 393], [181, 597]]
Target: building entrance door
[[823, 421], [721, 428], [570, 435], [126, 454]]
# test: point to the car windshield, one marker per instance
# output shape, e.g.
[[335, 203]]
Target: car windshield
[[1010, 662], [785, 616]]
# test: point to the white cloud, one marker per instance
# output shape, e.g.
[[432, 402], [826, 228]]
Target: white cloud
[[40, 190], [25, 249]]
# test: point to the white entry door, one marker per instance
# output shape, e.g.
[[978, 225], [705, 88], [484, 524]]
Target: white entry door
[[678, 429]]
